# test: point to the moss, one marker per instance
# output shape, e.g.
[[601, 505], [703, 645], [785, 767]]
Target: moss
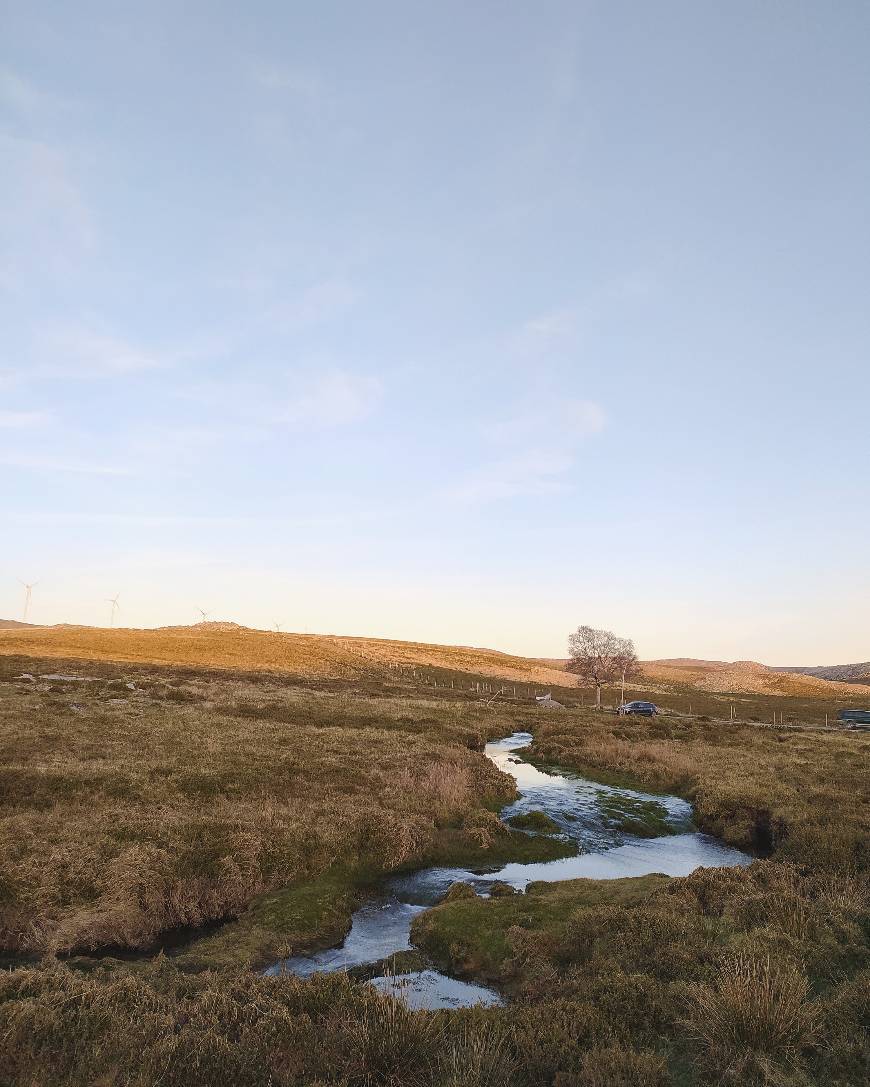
[[500, 889], [538, 821], [453, 850], [458, 891], [643, 818]]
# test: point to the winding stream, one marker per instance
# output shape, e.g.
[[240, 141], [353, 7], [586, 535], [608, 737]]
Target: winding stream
[[579, 807]]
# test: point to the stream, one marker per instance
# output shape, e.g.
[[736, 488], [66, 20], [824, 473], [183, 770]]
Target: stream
[[580, 809]]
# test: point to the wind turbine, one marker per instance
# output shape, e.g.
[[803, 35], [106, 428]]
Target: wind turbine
[[277, 628], [204, 614], [113, 600], [28, 591]]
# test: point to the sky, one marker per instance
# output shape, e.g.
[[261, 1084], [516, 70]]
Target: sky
[[463, 323]]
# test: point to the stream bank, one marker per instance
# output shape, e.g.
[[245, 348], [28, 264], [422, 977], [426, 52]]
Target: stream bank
[[618, 832]]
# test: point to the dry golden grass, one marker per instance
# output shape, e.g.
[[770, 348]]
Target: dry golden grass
[[129, 813], [307, 655]]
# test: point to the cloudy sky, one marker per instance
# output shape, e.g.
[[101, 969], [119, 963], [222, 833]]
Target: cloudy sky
[[453, 322]]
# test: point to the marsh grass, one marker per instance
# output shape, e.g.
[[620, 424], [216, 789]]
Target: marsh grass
[[755, 1015], [479, 1055], [390, 1043], [127, 820]]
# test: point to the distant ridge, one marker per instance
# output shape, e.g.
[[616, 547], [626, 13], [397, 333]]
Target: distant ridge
[[13, 624], [745, 677], [841, 673], [214, 626]]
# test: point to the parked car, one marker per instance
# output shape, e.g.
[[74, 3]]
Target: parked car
[[645, 709], [854, 718]]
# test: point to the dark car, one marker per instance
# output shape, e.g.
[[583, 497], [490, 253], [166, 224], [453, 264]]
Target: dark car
[[645, 709], [854, 718]]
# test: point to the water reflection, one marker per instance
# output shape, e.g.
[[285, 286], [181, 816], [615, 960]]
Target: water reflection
[[432, 990]]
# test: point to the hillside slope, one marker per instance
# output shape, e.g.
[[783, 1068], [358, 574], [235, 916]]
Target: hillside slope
[[227, 645]]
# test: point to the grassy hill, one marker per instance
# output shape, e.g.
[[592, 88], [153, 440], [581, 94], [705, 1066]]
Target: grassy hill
[[229, 646], [320, 657]]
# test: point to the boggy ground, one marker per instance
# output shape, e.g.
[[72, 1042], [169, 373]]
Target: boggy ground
[[743, 975], [205, 796], [129, 814]]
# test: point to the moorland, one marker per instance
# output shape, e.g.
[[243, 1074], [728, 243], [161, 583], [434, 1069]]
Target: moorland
[[170, 826]]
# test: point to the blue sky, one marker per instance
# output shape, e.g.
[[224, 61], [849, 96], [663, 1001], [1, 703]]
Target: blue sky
[[453, 322]]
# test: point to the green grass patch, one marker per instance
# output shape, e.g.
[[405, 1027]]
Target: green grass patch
[[537, 821], [453, 850], [643, 818], [472, 937]]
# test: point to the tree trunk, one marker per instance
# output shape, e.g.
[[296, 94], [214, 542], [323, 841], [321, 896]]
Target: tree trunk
[[598, 696]]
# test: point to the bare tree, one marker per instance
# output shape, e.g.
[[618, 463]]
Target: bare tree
[[599, 657]]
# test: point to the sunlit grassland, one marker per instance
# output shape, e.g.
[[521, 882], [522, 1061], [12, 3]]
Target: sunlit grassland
[[268, 804]]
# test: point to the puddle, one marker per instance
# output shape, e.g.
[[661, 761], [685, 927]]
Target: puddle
[[432, 990]]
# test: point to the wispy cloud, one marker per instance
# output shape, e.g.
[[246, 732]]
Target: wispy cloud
[[315, 304], [534, 472], [172, 520], [20, 420], [83, 351], [46, 223], [540, 448], [301, 83], [334, 399], [565, 422], [90, 350], [24, 98], [39, 463], [308, 401]]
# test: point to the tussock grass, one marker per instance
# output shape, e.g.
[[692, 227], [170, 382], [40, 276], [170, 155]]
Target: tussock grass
[[753, 1015], [129, 819]]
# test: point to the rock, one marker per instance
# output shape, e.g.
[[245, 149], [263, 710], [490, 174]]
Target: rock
[[459, 891]]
